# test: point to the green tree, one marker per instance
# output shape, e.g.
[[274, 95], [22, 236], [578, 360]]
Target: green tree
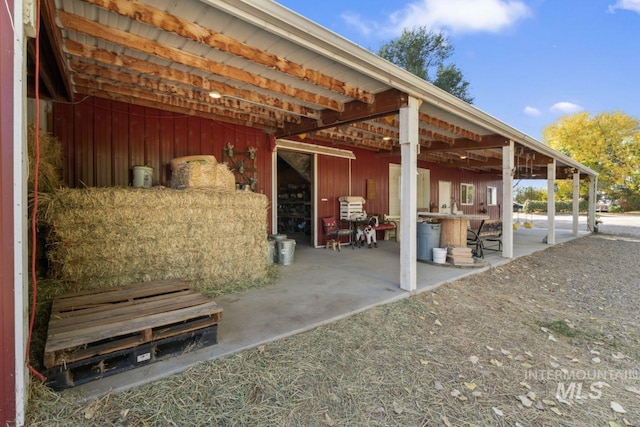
[[521, 195], [450, 78], [424, 53], [608, 143]]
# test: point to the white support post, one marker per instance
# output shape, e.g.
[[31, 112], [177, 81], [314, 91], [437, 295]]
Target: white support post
[[591, 216], [551, 203], [409, 137], [507, 200], [576, 202], [20, 216]]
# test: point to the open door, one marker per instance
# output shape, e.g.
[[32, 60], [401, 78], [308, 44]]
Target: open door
[[294, 188]]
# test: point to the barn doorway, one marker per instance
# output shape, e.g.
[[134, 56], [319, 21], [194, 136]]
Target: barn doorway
[[294, 188]]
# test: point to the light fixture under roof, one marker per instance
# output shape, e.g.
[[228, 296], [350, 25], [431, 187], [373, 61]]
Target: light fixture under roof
[[386, 138], [215, 94], [463, 157]]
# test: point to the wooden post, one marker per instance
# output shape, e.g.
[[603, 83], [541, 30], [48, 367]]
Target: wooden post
[[551, 203], [593, 198], [576, 202], [507, 200], [409, 137]]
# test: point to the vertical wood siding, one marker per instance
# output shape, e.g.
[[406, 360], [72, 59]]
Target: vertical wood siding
[[102, 141]]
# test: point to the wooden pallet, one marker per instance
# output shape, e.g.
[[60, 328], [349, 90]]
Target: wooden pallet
[[94, 368], [101, 323]]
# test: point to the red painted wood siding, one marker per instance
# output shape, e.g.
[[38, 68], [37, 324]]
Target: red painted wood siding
[[333, 182], [7, 311], [103, 140]]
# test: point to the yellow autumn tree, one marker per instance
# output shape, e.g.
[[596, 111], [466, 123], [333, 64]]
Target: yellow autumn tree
[[608, 143]]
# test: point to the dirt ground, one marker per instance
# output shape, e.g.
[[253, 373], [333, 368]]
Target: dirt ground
[[550, 339]]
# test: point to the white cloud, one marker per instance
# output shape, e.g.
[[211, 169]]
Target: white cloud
[[461, 16], [565, 108], [356, 21], [632, 5], [531, 111]]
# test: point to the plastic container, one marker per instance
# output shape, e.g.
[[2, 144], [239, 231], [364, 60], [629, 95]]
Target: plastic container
[[142, 176], [428, 238], [439, 255], [286, 250]]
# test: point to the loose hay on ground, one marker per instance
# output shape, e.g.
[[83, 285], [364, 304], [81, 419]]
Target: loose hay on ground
[[102, 237], [380, 367]]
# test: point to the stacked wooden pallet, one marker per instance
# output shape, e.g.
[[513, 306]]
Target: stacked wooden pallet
[[93, 334], [459, 255]]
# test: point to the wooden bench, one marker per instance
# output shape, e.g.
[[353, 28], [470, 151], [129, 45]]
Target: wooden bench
[[488, 237]]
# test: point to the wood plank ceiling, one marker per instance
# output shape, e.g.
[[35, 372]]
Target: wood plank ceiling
[[173, 55]]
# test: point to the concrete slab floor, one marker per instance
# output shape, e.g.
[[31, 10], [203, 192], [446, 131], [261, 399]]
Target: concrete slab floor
[[319, 287]]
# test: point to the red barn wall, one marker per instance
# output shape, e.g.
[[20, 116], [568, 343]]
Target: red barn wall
[[102, 141]]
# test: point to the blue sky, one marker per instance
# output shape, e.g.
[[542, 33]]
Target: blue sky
[[529, 62]]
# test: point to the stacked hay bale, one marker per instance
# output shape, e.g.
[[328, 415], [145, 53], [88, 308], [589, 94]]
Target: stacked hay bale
[[200, 172], [102, 237]]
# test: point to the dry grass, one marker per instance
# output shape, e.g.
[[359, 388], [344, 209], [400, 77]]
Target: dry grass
[[459, 356]]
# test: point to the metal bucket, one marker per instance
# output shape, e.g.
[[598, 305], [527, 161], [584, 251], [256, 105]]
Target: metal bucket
[[286, 250]]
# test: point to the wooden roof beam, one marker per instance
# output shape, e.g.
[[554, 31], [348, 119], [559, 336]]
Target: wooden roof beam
[[426, 134], [90, 86], [47, 23], [189, 30], [457, 130], [385, 103], [128, 99], [465, 144], [141, 44], [114, 59], [156, 85]]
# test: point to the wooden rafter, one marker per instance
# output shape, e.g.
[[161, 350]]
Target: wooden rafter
[[107, 89], [334, 137], [464, 144], [128, 99], [189, 30], [457, 130], [86, 71], [141, 44], [124, 62], [355, 111]]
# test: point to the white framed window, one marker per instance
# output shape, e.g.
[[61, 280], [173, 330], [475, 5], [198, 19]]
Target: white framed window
[[492, 196], [466, 194]]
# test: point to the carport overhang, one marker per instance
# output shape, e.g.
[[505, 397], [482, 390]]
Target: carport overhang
[[279, 72]]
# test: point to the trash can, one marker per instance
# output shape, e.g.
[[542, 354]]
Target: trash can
[[286, 249], [428, 238], [272, 254]]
